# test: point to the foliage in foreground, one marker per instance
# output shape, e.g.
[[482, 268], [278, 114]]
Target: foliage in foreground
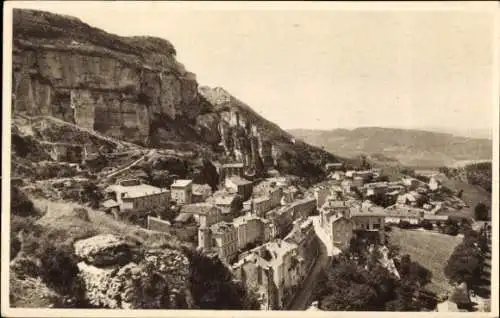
[[357, 281]]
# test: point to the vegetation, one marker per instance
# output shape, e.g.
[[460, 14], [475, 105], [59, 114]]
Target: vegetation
[[430, 249], [357, 281], [481, 212], [466, 261], [480, 174], [213, 286]]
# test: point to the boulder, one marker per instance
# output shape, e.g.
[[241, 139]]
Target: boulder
[[104, 250]]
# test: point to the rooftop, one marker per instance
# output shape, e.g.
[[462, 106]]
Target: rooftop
[[135, 191], [222, 227], [368, 211], [183, 217], [233, 165], [244, 219], [201, 189], [198, 208], [109, 203], [225, 200], [181, 183], [239, 180]]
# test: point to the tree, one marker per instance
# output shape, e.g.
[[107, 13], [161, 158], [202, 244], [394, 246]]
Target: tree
[[465, 263], [481, 212], [92, 194], [21, 205], [451, 227], [426, 224], [212, 285]]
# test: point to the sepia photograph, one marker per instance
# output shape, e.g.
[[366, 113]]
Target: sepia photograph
[[212, 158]]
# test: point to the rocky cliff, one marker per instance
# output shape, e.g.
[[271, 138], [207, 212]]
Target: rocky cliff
[[134, 89]]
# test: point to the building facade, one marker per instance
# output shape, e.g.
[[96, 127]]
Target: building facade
[[182, 191], [239, 185], [132, 195]]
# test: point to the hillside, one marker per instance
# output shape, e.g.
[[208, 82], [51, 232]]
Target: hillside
[[409, 147], [133, 89]]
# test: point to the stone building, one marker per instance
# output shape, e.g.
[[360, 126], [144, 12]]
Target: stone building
[[239, 185], [369, 221], [131, 195], [182, 191], [335, 220], [273, 271], [220, 238], [252, 229]]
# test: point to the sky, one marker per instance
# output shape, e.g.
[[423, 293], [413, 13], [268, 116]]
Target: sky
[[327, 69]]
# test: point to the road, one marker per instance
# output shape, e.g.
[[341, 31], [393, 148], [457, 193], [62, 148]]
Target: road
[[303, 298], [114, 173]]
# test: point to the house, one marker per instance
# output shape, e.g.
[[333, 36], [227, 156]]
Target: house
[[228, 203], [304, 236], [411, 183], [231, 169], [184, 218], [398, 213], [252, 229], [282, 220], [347, 185], [132, 195], [376, 188], [258, 206], [257, 275], [365, 175], [434, 184], [334, 219], [357, 182], [273, 271], [201, 192], [334, 166], [436, 219], [220, 238], [350, 174], [271, 189], [289, 194], [111, 206], [239, 185], [337, 175], [182, 191], [411, 198], [303, 208], [369, 221], [205, 214]]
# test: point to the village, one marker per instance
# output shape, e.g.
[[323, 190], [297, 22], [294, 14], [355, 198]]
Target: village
[[270, 233]]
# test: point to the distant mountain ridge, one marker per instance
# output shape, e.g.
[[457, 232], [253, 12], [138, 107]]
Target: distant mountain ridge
[[409, 146]]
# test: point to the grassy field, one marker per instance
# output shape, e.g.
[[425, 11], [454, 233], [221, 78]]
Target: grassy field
[[430, 249], [472, 195]]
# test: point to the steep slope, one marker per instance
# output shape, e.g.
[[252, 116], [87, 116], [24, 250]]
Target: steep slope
[[134, 89], [410, 147]]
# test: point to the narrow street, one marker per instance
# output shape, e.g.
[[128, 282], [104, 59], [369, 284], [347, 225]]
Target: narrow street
[[303, 298]]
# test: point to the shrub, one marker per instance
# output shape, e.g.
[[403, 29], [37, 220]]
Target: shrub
[[426, 225], [58, 268], [481, 212], [152, 291], [21, 205]]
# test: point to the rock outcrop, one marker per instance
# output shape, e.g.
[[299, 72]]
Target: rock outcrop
[[112, 283], [134, 89]]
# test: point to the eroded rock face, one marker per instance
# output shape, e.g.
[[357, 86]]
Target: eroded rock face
[[116, 285], [103, 250], [134, 89]]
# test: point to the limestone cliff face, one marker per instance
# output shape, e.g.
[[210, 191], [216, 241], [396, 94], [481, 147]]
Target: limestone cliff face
[[134, 89], [99, 85]]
